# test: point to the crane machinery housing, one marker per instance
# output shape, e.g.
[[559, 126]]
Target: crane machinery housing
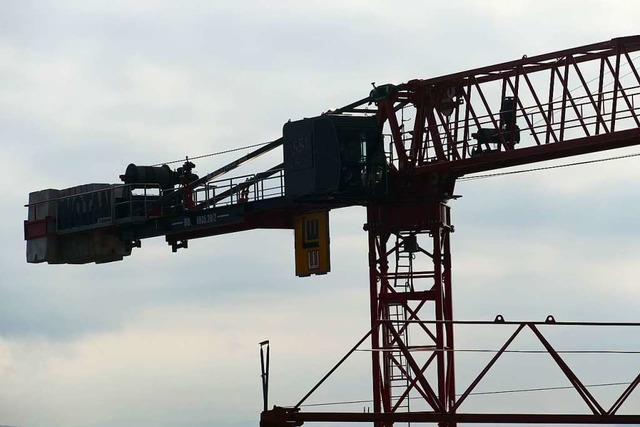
[[398, 152]]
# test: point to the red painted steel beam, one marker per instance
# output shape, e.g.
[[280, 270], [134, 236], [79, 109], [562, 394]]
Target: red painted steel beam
[[538, 62], [584, 393], [624, 396], [587, 118], [408, 296], [432, 417], [538, 153], [486, 369]]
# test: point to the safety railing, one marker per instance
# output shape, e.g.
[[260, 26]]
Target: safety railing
[[136, 203], [240, 189]]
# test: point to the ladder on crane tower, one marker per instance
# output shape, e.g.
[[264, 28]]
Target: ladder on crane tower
[[396, 363]]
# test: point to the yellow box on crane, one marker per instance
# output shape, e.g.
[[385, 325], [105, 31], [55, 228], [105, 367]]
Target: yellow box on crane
[[312, 243]]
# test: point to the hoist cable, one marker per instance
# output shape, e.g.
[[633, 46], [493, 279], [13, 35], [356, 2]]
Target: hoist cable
[[478, 393], [217, 153], [585, 162]]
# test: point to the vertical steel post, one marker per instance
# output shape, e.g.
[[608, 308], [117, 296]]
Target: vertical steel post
[[264, 365], [373, 300]]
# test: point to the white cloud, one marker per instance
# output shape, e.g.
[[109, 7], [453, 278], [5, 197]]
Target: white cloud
[[168, 355], [161, 338]]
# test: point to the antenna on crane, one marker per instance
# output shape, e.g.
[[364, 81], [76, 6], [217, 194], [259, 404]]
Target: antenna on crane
[[264, 366]]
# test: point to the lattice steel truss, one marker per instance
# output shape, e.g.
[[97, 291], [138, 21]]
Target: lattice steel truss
[[544, 107]]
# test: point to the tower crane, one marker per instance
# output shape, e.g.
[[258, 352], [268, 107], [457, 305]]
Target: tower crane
[[398, 152]]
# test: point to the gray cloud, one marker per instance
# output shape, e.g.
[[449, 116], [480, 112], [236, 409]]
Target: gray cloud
[[88, 87]]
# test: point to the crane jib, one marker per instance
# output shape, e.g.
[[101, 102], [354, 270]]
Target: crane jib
[[403, 143]]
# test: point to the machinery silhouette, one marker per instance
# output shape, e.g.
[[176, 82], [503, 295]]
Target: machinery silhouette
[[398, 152]]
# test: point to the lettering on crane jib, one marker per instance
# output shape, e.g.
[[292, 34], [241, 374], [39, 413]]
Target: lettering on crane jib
[[84, 209], [205, 219]]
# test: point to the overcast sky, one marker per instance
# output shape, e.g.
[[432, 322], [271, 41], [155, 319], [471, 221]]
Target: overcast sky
[[162, 339]]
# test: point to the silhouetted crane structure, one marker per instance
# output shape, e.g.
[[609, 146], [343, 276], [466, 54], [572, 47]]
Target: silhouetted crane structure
[[398, 152]]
